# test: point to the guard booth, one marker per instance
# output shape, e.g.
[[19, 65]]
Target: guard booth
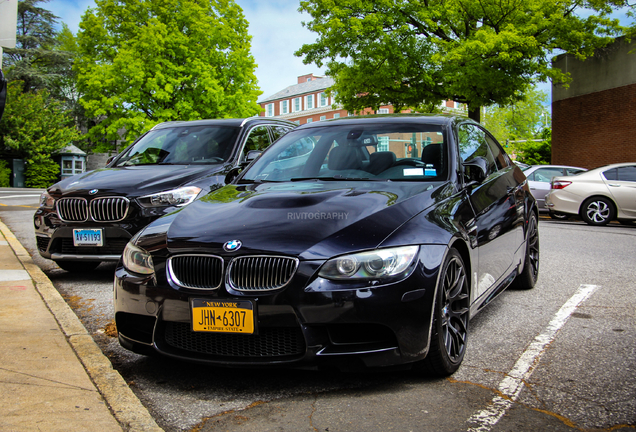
[[72, 161]]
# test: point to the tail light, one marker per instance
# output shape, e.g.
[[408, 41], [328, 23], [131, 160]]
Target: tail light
[[560, 184]]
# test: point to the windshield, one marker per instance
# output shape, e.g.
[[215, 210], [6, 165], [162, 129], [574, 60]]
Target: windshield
[[384, 151], [182, 146]]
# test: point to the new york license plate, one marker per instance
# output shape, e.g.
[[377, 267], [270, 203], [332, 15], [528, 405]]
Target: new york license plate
[[222, 316], [88, 237]]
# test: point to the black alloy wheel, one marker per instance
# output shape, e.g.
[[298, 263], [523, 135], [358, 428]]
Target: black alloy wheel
[[451, 315], [597, 211], [530, 273]]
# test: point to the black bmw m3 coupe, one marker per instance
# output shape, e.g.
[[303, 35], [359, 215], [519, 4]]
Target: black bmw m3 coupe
[[364, 241]]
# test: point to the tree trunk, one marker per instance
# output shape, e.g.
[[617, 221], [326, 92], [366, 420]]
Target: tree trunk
[[475, 114]]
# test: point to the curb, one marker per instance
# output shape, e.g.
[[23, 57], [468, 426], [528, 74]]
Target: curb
[[123, 403]]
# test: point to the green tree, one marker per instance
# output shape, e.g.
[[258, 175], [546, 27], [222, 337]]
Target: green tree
[[34, 127], [144, 62], [420, 52], [36, 59]]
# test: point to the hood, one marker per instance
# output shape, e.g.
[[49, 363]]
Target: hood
[[132, 180], [311, 220]]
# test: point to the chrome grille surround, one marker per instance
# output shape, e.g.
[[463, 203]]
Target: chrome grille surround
[[260, 272], [196, 271], [72, 209], [109, 209]]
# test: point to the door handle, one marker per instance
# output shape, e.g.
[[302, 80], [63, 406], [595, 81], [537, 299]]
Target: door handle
[[614, 185]]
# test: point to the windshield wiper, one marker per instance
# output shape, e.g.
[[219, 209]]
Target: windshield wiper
[[336, 177]]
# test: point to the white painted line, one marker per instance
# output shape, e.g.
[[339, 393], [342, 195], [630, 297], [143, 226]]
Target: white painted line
[[20, 196], [14, 275], [511, 386]]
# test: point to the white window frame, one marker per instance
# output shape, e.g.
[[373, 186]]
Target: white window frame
[[324, 99], [284, 107], [309, 105], [383, 110], [300, 104], [310, 120], [336, 115], [323, 117], [383, 143], [269, 110]]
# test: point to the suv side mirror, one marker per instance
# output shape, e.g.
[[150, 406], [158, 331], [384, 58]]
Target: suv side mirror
[[477, 169], [251, 156], [233, 174]]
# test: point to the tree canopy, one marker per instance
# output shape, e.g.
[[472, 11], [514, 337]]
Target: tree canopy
[[34, 127], [144, 62], [36, 59], [413, 53]]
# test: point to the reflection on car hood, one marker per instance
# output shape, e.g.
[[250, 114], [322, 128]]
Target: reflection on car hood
[[306, 219], [132, 180]]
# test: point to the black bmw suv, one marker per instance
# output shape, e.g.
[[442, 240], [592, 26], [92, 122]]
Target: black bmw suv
[[89, 218]]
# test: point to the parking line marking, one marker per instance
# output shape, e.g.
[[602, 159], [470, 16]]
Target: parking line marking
[[511, 386]]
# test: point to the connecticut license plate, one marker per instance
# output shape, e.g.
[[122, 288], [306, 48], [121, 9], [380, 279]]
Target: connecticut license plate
[[88, 237], [222, 316]]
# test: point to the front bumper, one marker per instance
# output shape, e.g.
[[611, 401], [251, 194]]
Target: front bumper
[[296, 326]]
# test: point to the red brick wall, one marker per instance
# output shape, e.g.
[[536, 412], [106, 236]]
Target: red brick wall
[[595, 129]]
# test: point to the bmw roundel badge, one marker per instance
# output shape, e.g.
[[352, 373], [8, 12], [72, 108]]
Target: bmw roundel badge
[[232, 245], [93, 191]]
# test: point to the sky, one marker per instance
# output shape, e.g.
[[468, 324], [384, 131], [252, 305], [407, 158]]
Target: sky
[[275, 27]]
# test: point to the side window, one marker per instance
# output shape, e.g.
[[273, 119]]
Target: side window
[[545, 174], [500, 157], [258, 139], [573, 171], [611, 174], [472, 143], [627, 173], [279, 131]]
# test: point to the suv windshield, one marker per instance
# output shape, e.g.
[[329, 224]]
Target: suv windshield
[[361, 152], [181, 146]]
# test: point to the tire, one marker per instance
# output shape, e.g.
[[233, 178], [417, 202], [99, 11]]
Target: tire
[[559, 216], [598, 211], [530, 273], [450, 319], [78, 266]]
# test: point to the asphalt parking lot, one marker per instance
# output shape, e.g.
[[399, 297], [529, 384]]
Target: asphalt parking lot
[[559, 357]]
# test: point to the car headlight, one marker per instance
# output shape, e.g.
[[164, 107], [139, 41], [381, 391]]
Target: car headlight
[[377, 264], [46, 200], [137, 260], [176, 197]]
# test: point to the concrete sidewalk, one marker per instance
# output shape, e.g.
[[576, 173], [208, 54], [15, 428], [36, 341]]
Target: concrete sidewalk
[[53, 377]]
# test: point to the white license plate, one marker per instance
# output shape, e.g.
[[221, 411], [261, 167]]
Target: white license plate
[[88, 237]]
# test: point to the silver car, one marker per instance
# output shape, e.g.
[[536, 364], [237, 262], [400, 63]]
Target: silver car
[[539, 177], [598, 196]]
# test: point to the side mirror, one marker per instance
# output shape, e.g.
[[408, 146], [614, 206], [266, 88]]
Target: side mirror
[[251, 156], [232, 174], [109, 160], [477, 169]]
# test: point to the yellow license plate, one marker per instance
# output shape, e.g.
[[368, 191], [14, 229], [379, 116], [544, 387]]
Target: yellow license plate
[[222, 316]]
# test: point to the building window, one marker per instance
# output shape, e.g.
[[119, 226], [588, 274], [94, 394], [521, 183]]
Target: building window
[[309, 120], [383, 143], [324, 100], [297, 122], [350, 114], [284, 107], [72, 165], [296, 104], [309, 102], [323, 118], [336, 115], [269, 110], [383, 111]]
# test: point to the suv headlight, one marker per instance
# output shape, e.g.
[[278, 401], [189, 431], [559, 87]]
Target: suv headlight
[[47, 201], [379, 264], [176, 197], [137, 260]]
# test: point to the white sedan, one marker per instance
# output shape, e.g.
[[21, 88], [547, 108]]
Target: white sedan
[[598, 196]]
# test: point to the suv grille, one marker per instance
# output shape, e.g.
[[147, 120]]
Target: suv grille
[[72, 209], [270, 342], [107, 209], [261, 273], [110, 209], [196, 271]]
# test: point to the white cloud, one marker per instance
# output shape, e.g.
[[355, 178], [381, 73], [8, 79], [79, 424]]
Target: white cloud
[[276, 32]]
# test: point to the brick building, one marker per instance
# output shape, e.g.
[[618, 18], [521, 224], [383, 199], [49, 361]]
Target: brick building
[[594, 120], [307, 102]]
